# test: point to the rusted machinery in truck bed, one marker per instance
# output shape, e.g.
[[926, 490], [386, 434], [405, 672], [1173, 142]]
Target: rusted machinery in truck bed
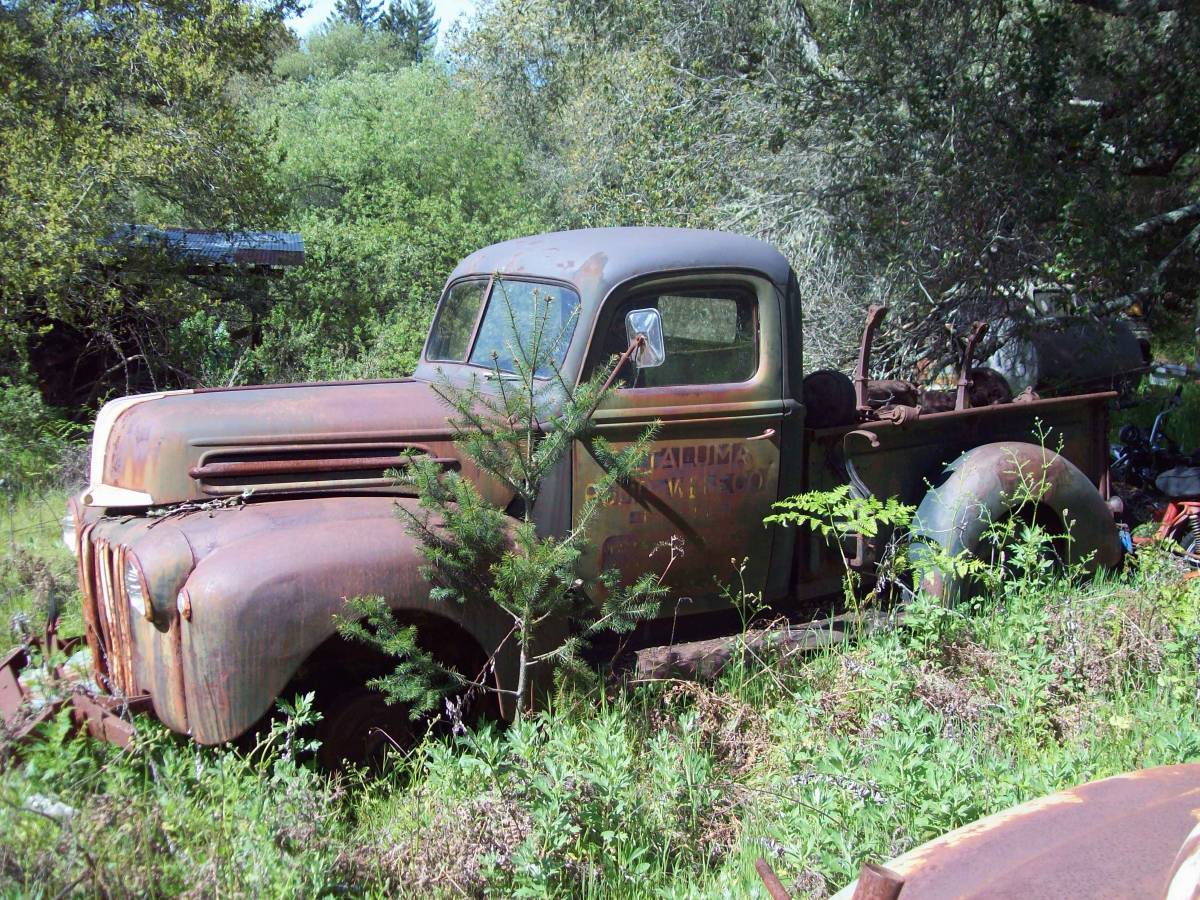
[[223, 529]]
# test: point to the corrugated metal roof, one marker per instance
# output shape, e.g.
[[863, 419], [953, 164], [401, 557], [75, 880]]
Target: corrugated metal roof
[[223, 248]]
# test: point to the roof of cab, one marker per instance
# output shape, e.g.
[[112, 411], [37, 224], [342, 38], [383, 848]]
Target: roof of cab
[[595, 260]]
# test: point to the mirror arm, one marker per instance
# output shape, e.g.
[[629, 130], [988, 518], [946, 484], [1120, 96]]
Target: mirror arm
[[620, 363]]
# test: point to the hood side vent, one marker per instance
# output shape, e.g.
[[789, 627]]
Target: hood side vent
[[233, 470]]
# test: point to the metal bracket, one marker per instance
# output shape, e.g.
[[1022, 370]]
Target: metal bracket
[[875, 314], [961, 400]]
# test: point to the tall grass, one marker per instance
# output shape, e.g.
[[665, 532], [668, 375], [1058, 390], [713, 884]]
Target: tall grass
[[663, 788], [36, 569]]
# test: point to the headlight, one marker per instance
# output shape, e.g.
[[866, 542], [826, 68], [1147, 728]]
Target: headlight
[[135, 590]]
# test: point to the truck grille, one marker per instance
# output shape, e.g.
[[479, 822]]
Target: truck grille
[[106, 613]]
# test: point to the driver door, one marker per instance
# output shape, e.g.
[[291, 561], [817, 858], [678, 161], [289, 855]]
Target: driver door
[[713, 472]]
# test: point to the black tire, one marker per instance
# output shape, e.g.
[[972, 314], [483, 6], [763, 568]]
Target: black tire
[[828, 399], [359, 728], [984, 486]]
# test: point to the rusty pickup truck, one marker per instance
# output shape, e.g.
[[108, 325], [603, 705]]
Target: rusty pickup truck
[[224, 528]]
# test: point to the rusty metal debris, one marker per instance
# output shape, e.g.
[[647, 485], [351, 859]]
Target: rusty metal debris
[[1132, 835], [770, 880], [876, 882], [862, 371], [23, 710], [961, 397]]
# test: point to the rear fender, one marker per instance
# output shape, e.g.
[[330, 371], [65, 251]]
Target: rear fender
[[986, 484], [260, 606]]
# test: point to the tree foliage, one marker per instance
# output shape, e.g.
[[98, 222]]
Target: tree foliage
[[392, 177], [940, 156], [359, 13], [115, 113], [413, 24]]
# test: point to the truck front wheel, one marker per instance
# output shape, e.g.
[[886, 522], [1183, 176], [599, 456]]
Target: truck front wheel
[[996, 482], [359, 727]]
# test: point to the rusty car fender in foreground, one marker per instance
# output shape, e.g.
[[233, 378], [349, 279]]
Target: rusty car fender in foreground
[[1126, 836]]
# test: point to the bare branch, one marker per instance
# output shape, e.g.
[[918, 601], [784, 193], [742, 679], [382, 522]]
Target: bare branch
[[1164, 220]]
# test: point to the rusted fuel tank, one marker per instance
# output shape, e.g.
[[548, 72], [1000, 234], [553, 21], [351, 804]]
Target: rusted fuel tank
[[1069, 356]]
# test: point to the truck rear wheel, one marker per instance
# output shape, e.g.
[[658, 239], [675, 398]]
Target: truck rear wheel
[[996, 482]]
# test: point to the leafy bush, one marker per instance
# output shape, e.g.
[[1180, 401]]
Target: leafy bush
[[392, 177], [33, 440]]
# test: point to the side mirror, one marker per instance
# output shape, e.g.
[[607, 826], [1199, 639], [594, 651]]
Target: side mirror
[[646, 324]]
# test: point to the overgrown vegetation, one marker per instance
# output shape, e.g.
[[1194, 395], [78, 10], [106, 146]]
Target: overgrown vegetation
[[666, 788], [942, 157]]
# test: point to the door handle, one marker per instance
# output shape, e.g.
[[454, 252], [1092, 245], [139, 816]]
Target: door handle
[[769, 433]]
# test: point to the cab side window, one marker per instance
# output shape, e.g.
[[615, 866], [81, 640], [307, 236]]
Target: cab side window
[[710, 335]]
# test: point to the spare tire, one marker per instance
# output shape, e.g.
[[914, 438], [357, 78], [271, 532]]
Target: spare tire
[[1179, 483], [828, 400], [985, 486]]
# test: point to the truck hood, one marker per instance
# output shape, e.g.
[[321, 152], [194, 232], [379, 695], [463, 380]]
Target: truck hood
[[167, 448]]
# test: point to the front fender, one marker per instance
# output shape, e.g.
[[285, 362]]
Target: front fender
[[260, 605]]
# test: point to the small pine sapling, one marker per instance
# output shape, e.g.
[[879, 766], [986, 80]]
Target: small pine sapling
[[516, 424]]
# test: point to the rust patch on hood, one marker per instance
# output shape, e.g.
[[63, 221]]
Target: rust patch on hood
[[166, 446]]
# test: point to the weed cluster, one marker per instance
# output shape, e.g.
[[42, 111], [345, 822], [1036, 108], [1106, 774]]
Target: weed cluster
[[656, 788]]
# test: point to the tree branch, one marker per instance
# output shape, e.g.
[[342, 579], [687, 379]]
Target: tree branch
[[1174, 217]]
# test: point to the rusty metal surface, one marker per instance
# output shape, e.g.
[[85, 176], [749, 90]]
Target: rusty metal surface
[[862, 371], [293, 466], [23, 710], [876, 882], [161, 447], [595, 260], [19, 720], [770, 880], [910, 457], [988, 483], [1114, 838], [263, 583], [964, 372], [108, 719], [711, 478]]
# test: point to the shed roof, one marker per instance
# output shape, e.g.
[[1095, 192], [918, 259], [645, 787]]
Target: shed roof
[[223, 248], [597, 259]]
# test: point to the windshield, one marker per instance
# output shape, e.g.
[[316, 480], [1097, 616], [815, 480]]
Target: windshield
[[518, 315]]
